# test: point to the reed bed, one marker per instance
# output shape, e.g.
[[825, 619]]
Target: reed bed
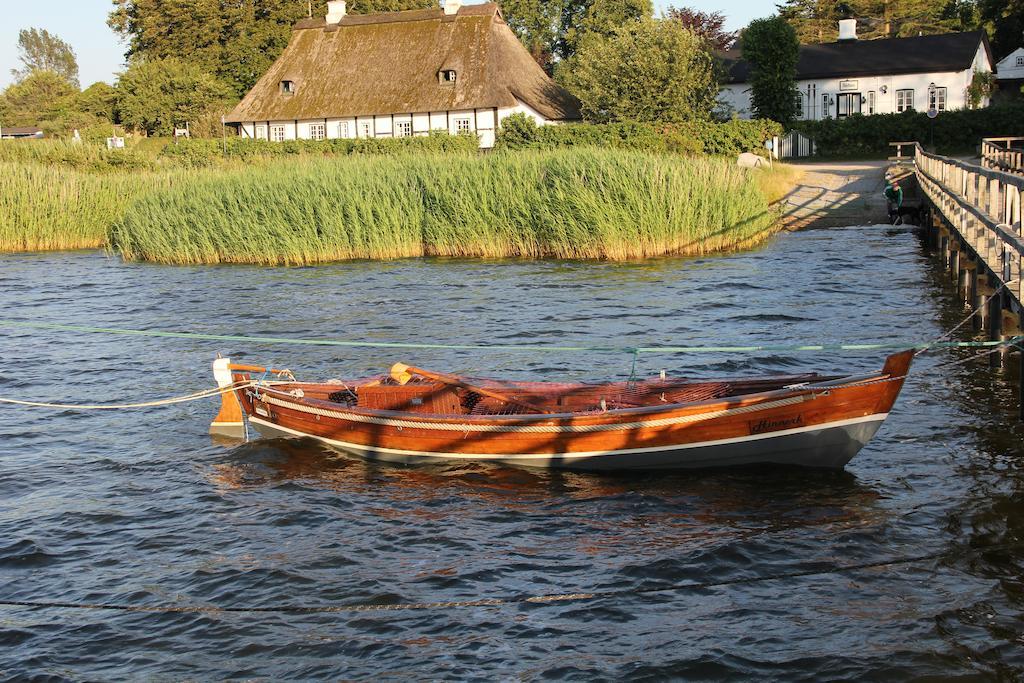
[[581, 204], [52, 208]]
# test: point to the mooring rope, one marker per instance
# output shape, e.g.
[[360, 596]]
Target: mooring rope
[[544, 599], [634, 350], [197, 396]]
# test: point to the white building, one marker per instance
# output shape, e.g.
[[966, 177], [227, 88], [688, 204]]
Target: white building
[[882, 76], [456, 69], [1010, 70]]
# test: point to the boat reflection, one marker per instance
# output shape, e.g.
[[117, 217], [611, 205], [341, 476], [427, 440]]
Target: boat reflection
[[665, 509]]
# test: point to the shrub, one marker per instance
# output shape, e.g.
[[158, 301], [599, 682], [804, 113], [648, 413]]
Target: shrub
[[955, 132], [198, 153], [719, 139]]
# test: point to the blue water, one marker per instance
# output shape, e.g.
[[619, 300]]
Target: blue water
[[142, 508]]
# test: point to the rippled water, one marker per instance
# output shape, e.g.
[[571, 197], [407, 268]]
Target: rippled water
[[141, 508]]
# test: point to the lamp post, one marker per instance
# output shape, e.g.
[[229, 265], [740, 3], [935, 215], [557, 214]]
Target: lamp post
[[933, 111]]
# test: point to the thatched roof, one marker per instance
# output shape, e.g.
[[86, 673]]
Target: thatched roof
[[389, 63]]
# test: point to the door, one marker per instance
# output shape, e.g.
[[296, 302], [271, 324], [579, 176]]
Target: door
[[847, 104]]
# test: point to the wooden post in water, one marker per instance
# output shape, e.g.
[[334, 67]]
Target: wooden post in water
[[995, 328]]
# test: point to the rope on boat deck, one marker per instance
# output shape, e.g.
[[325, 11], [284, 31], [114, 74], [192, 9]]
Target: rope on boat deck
[[547, 599]]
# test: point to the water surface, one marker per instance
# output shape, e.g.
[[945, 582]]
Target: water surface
[[142, 508]]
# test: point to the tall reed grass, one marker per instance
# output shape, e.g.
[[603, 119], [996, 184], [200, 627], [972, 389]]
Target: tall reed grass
[[580, 203], [48, 208]]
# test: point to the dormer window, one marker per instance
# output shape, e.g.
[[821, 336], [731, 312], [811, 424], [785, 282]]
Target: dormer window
[[447, 77], [1020, 61], [287, 87]]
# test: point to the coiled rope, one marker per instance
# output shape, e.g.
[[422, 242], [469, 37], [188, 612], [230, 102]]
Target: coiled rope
[[544, 599]]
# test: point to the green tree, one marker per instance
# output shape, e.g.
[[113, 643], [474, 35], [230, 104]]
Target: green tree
[[584, 18], [552, 30], [235, 41], [536, 23], [157, 95], [40, 50], [772, 48], [97, 100], [39, 99], [1004, 20], [817, 21], [653, 70]]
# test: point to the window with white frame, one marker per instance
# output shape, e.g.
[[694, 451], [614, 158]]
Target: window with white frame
[[463, 125], [1020, 61], [364, 130], [277, 133], [287, 87], [403, 129], [317, 131], [824, 106], [871, 101], [343, 129], [937, 99], [261, 132], [904, 100]]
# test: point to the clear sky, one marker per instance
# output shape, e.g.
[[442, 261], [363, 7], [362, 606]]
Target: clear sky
[[83, 24]]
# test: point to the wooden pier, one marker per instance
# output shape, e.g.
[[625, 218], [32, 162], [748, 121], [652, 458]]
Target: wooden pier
[[974, 224], [1003, 154]]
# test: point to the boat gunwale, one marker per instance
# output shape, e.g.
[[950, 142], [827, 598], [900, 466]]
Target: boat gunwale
[[604, 417]]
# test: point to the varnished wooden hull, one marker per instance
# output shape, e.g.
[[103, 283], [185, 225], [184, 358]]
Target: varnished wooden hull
[[822, 425]]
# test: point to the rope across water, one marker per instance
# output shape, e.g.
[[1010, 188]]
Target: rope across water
[[632, 350]]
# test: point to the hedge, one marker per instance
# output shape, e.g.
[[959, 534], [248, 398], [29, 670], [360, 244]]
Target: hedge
[[956, 132], [719, 139], [196, 152]]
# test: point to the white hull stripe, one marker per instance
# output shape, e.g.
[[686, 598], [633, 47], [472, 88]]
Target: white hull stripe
[[536, 429], [878, 417]]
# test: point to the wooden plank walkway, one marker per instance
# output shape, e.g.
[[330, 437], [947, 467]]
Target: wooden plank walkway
[[975, 223], [1003, 154]]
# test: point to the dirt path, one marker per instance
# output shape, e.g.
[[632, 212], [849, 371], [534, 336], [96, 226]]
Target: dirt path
[[834, 194]]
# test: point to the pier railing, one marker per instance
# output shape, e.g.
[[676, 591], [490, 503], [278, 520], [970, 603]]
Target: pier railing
[[1003, 154], [983, 205]]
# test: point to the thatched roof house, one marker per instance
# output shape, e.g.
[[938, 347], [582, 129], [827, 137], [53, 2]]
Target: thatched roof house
[[457, 68]]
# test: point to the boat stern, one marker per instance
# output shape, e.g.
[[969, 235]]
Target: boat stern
[[230, 421]]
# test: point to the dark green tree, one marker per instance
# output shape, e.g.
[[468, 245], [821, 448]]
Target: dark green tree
[[653, 70], [772, 48], [157, 95], [536, 23], [234, 41], [553, 29], [40, 50], [583, 18], [1004, 20]]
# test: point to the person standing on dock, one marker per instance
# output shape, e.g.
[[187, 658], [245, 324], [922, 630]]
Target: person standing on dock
[[894, 200]]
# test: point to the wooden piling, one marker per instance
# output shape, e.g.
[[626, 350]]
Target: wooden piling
[[995, 328]]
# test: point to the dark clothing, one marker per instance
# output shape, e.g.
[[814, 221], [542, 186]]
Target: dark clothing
[[894, 194]]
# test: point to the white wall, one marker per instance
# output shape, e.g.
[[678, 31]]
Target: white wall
[[1007, 68], [737, 96], [483, 122]]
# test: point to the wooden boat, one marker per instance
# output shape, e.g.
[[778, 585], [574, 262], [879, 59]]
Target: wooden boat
[[414, 415]]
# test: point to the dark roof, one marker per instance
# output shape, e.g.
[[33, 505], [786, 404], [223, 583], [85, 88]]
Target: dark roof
[[885, 57], [21, 131], [389, 63]]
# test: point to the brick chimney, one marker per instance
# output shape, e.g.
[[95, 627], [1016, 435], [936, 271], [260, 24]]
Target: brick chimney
[[452, 6], [336, 11]]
